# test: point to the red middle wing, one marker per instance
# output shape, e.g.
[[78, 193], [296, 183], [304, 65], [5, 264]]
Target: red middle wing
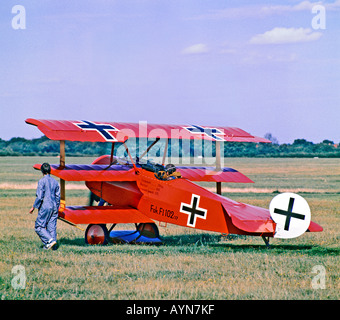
[[209, 174], [117, 172], [82, 172]]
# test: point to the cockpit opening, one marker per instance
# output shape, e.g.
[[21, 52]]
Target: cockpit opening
[[164, 173]]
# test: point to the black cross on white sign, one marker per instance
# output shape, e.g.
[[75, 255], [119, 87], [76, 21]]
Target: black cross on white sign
[[289, 213], [193, 210], [210, 132], [102, 128]]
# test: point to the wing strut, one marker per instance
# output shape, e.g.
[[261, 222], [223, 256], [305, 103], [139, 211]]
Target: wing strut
[[133, 163], [71, 223], [148, 149], [112, 151], [266, 241], [218, 166], [165, 151], [62, 181]]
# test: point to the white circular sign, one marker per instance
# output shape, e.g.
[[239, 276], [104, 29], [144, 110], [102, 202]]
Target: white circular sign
[[291, 213]]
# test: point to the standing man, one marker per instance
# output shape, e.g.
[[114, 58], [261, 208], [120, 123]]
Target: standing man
[[47, 202]]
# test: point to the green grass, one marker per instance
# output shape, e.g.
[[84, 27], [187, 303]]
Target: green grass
[[191, 264]]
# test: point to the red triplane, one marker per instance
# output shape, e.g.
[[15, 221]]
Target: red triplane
[[141, 192]]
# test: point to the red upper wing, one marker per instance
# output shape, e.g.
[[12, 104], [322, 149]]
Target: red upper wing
[[104, 131]]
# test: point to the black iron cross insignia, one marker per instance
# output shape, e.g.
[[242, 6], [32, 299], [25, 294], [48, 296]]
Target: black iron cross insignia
[[102, 128], [193, 210], [210, 132]]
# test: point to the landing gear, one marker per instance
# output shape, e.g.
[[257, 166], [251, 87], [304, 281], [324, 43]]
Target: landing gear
[[266, 241], [97, 234], [149, 230]]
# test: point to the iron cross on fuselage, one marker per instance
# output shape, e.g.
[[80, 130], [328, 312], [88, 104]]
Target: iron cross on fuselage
[[193, 210]]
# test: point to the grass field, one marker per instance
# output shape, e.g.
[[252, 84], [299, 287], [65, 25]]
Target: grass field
[[190, 264]]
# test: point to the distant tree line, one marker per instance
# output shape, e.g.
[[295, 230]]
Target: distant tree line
[[299, 148], [46, 147]]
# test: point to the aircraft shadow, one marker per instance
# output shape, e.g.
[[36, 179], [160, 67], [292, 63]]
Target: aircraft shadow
[[192, 239], [214, 241], [281, 248]]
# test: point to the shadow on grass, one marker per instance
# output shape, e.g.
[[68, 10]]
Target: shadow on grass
[[198, 239], [80, 242], [180, 240], [279, 248], [214, 241]]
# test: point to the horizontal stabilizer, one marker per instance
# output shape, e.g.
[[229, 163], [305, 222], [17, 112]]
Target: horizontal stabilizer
[[103, 214], [249, 218], [314, 227], [253, 219]]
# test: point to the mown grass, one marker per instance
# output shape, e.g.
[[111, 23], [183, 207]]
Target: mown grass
[[191, 264]]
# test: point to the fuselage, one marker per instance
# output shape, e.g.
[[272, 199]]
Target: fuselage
[[178, 201]]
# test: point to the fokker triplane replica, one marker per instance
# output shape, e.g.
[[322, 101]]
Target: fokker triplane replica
[[139, 192]]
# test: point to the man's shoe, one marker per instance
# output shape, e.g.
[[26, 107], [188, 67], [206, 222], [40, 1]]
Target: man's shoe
[[50, 245]]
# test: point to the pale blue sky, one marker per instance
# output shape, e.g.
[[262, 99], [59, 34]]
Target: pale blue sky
[[257, 65]]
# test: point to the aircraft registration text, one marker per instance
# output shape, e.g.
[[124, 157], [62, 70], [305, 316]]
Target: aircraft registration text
[[163, 212]]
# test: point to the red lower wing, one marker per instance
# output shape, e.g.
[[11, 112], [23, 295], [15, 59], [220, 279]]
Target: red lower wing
[[103, 214]]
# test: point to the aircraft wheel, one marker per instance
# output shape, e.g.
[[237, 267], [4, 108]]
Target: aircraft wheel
[[149, 230], [96, 234]]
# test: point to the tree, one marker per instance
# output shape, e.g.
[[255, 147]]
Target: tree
[[329, 142], [302, 142], [270, 137]]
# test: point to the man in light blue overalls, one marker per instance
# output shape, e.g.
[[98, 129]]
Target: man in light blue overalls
[[47, 202]]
